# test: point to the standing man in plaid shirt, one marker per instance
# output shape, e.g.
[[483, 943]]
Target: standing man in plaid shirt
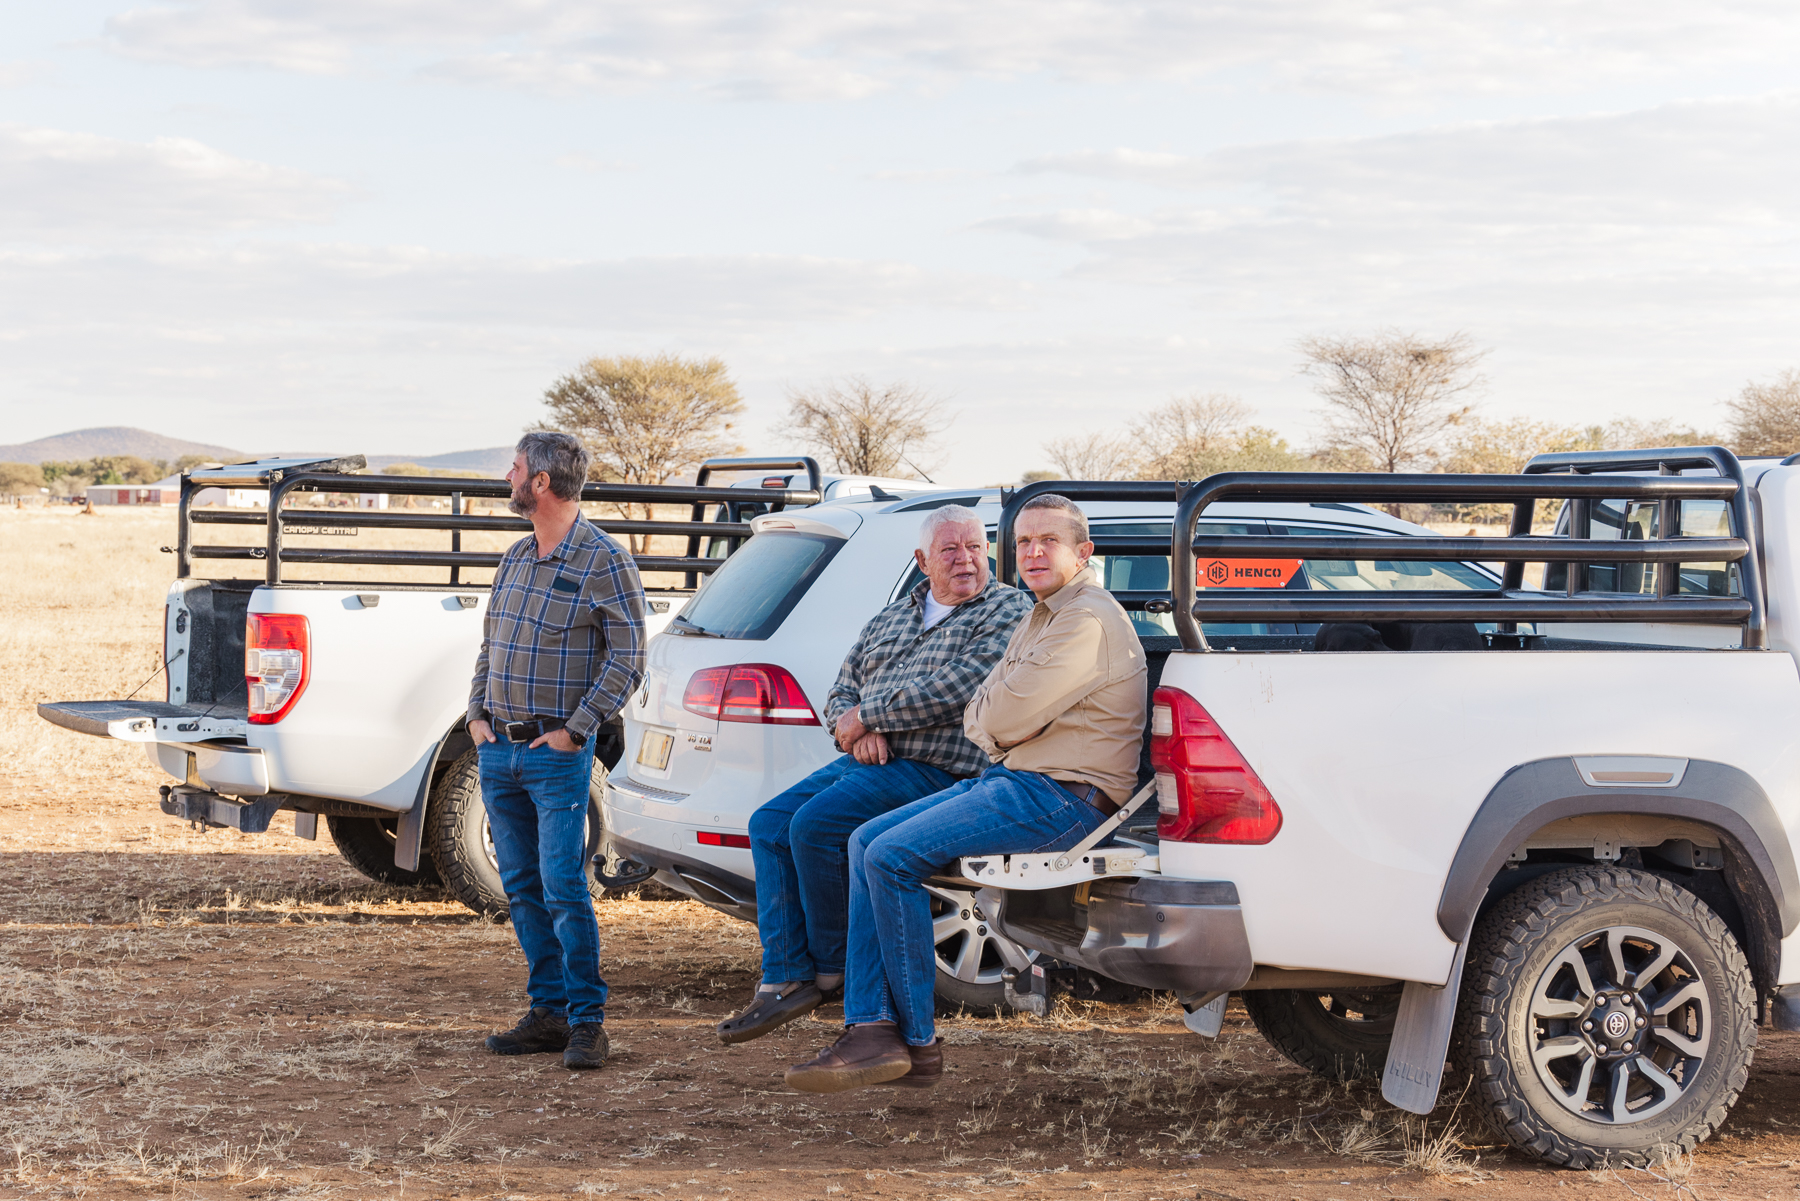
[[896, 712], [563, 648]]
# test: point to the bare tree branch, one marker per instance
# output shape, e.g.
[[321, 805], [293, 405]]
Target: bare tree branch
[[1765, 418], [860, 428], [1093, 456], [1390, 397]]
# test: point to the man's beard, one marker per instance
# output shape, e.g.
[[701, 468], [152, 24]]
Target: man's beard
[[523, 503]]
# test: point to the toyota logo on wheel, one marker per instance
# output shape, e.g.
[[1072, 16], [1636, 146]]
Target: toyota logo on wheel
[[1617, 1023]]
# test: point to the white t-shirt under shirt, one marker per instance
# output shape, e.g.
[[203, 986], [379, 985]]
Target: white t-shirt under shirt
[[935, 612]]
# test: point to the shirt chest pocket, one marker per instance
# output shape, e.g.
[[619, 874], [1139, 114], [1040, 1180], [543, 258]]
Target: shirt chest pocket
[[562, 610]]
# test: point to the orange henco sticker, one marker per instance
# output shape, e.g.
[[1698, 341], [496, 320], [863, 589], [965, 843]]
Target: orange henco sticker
[[1246, 573]]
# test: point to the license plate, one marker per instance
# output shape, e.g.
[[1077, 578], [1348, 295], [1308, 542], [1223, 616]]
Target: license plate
[[653, 751]]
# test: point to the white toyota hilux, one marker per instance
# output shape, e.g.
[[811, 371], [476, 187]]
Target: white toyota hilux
[[1560, 858], [333, 682], [728, 715]]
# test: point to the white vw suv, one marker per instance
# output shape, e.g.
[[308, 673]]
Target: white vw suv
[[728, 715]]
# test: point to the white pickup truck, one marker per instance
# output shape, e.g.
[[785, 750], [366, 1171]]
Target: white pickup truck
[[1561, 859], [344, 698]]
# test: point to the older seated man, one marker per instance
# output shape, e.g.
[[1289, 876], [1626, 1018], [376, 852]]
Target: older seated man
[[1062, 719], [896, 711]]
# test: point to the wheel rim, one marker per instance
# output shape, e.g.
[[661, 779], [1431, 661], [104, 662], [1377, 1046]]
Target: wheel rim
[[1620, 1025], [487, 838], [967, 947]]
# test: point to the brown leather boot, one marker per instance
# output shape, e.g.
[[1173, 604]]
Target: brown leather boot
[[863, 1055], [927, 1066]]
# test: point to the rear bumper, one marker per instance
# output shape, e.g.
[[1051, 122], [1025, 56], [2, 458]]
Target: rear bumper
[[1185, 936]]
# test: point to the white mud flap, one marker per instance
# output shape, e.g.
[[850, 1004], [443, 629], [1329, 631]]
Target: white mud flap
[[1415, 1064]]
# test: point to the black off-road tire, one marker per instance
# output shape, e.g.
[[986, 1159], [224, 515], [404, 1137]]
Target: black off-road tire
[[457, 839], [1515, 948], [367, 844], [1341, 1035]]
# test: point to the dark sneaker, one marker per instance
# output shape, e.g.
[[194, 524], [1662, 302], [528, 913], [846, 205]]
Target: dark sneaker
[[862, 1055], [538, 1032], [768, 1010], [587, 1046], [927, 1066]]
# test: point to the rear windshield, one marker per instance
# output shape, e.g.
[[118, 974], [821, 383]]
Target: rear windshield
[[759, 586]]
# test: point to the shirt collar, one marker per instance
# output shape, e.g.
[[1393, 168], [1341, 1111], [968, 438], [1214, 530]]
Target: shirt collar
[[579, 535], [923, 588], [1085, 578]]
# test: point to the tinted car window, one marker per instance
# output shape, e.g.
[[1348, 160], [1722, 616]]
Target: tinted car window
[[1381, 575], [1635, 521], [760, 585]]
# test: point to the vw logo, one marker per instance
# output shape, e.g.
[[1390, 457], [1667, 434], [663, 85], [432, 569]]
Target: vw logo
[[1617, 1023]]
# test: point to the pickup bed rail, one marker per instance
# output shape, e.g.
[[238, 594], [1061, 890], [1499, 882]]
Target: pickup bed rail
[[285, 478], [1548, 477]]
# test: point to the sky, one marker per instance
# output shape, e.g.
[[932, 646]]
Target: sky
[[387, 225]]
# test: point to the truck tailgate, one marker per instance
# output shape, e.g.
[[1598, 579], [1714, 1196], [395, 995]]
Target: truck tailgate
[[148, 721]]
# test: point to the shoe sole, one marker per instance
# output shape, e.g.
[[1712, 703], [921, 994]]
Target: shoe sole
[[775, 1021], [583, 1065], [842, 1080], [515, 1049]]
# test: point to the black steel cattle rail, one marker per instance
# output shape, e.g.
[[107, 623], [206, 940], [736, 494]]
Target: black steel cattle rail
[[333, 476], [1569, 477]]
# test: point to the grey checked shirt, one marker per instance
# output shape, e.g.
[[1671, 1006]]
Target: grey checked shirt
[[564, 635], [913, 683]]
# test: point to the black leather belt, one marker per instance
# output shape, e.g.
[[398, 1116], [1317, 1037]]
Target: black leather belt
[[1092, 795], [531, 729]]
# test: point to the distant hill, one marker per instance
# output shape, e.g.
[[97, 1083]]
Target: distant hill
[[113, 440], [490, 462], [129, 440]]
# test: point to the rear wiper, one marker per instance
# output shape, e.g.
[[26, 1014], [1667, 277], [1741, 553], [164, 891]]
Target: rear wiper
[[678, 622]]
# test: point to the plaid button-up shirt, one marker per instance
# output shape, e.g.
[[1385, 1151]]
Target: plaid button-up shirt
[[564, 634], [913, 683]]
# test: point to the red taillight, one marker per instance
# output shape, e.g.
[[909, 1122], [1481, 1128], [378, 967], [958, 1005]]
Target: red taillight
[[277, 651], [754, 692], [704, 690], [1205, 791], [709, 838]]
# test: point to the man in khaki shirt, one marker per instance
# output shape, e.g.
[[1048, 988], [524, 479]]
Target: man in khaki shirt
[[1062, 718]]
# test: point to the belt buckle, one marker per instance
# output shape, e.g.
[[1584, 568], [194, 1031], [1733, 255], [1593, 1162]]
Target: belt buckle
[[520, 731]]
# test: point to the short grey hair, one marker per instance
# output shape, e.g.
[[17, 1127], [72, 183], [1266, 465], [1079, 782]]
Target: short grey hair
[[945, 515], [1065, 506], [560, 456]]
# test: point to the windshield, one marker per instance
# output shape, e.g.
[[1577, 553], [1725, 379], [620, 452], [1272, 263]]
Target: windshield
[[759, 586]]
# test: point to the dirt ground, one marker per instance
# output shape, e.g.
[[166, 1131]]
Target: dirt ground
[[211, 1015]]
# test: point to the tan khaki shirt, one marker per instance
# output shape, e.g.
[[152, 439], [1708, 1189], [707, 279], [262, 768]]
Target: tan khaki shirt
[[1067, 699]]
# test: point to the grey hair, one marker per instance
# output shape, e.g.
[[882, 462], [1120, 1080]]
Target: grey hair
[[559, 455], [942, 516], [1065, 506]]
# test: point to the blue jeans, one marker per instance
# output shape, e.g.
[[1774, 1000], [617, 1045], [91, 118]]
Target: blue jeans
[[537, 805], [893, 962], [798, 843]]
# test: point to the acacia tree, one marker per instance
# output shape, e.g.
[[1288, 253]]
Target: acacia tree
[[1391, 397], [646, 420], [20, 479], [1765, 418], [862, 428], [1194, 436]]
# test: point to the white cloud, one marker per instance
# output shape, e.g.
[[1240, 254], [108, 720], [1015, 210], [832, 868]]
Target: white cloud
[[1693, 187], [820, 49], [58, 184]]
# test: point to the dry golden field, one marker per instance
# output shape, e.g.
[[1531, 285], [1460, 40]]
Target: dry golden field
[[210, 1015]]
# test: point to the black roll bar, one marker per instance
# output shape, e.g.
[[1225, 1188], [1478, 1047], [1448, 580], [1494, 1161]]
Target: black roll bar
[[1548, 477]]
